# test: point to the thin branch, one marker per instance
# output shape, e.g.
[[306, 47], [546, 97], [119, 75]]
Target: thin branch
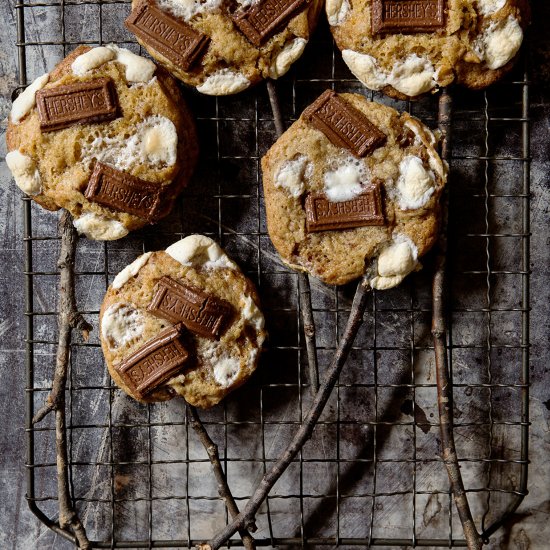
[[306, 429], [439, 333], [68, 319], [306, 309], [223, 488]]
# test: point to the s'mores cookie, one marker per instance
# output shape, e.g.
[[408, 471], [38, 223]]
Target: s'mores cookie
[[222, 47], [184, 321], [407, 48], [106, 135], [353, 187]]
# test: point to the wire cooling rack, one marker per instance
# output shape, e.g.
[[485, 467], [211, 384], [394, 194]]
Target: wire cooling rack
[[371, 474]]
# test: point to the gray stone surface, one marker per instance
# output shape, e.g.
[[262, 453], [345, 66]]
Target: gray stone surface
[[230, 130]]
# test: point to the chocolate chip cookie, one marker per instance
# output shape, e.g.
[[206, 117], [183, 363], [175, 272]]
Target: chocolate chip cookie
[[105, 135], [407, 48], [184, 321], [353, 187]]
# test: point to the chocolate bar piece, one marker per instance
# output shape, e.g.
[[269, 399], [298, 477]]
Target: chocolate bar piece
[[124, 192], [200, 313], [363, 210], [407, 16], [79, 103], [343, 124], [153, 363], [260, 21], [173, 38]]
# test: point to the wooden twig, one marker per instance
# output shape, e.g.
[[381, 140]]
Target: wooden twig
[[223, 488], [306, 429], [68, 319], [439, 333], [304, 290]]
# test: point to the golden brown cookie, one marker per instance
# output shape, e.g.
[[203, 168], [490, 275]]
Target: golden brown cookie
[[222, 47], [105, 135], [353, 187], [212, 310], [407, 48]]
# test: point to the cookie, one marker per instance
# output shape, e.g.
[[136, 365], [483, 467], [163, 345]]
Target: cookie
[[184, 321], [106, 135], [222, 47], [407, 48], [353, 187]]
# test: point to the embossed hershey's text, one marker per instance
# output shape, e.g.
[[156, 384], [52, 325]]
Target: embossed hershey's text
[[407, 15]]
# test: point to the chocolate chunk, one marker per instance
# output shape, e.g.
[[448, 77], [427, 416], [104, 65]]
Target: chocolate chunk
[[363, 210], [79, 103], [200, 313], [153, 363], [124, 192], [407, 16], [343, 124], [173, 38], [260, 21]]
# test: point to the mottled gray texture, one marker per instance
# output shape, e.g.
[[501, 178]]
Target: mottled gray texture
[[221, 174]]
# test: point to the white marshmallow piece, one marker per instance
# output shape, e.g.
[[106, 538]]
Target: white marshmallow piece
[[500, 42], [415, 184], [92, 59], [347, 181], [395, 262], [130, 270], [252, 314], [286, 57], [99, 228], [366, 69], [25, 172], [226, 370], [187, 9], [201, 252], [224, 82], [27, 99], [489, 7], [413, 76], [121, 324], [291, 175], [337, 11]]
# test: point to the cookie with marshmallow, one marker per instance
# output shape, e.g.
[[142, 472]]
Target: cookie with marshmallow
[[226, 60], [404, 169], [408, 48], [216, 365], [150, 139]]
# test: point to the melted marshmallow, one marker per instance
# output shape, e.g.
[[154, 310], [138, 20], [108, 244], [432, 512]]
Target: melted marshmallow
[[187, 9], [99, 228], [500, 42], [252, 314], [200, 251], [224, 82], [366, 69], [415, 184], [25, 172], [226, 370], [138, 69], [131, 270], [346, 181], [121, 324], [286, 57], [413, 76], [291, 175], [154, 142], [337, 11], [395, 262], [27, 99], [489, 7]]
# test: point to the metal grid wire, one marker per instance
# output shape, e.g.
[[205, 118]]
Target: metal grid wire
[[371, 474]]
